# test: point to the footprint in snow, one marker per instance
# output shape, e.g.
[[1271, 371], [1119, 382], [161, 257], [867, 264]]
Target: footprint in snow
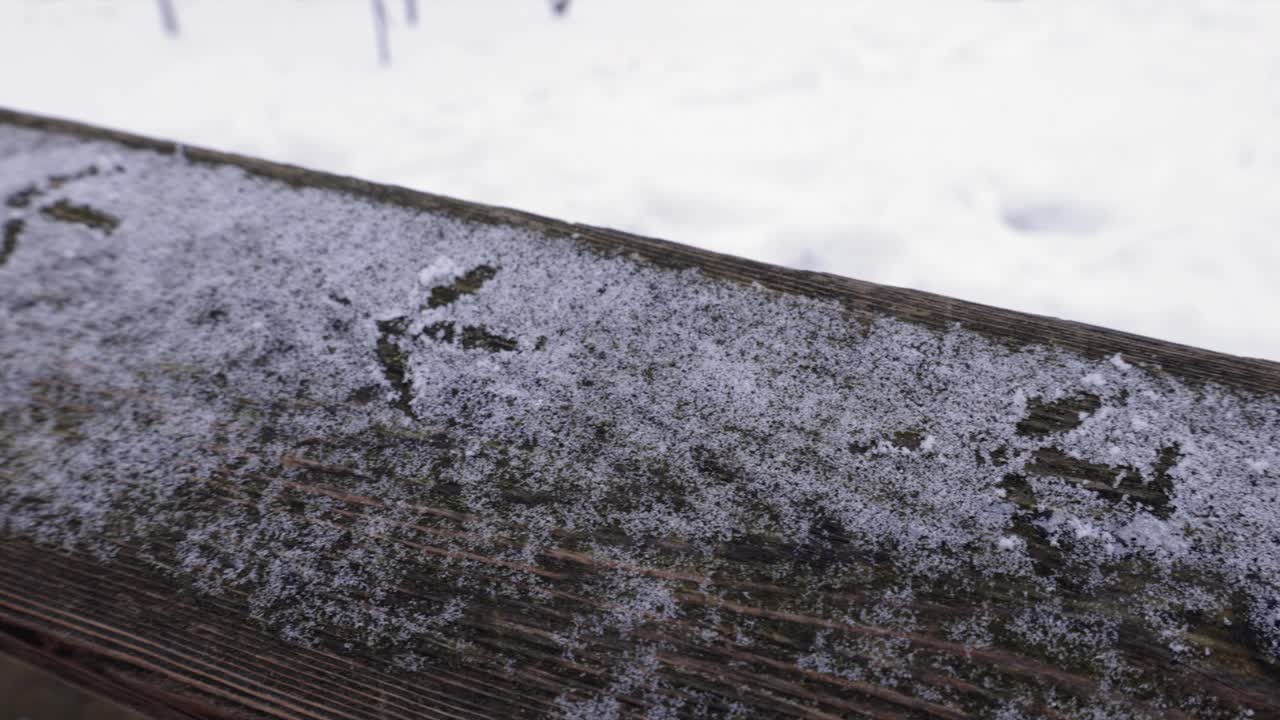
[[1053, 218]]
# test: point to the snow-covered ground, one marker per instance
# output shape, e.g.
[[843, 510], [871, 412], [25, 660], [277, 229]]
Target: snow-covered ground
[[1110, 161]]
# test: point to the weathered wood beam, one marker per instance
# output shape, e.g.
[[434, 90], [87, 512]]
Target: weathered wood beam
[[277, 443]]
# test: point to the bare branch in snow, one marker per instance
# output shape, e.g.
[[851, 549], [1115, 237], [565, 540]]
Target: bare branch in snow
[[169, 17], [380, 31]]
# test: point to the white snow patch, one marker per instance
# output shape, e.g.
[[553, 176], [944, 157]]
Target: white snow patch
[[1011, 542], [441, 270]]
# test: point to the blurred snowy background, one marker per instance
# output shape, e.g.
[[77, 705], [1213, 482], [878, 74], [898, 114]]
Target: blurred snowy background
[[1115, 162]]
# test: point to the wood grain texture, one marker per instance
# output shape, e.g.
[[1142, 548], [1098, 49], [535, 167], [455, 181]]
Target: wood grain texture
[[121, 624], [31, 692]]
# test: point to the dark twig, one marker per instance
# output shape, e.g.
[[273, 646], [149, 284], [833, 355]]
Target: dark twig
[[169, 17], [380, 31]]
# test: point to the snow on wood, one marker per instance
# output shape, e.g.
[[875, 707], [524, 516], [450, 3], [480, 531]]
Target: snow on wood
[[311, 447]]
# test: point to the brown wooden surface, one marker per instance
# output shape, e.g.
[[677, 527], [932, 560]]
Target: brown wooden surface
[[26, 691], [122, 628]]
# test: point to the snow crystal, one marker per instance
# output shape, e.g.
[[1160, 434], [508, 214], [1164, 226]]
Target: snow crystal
[[1119, 362], [441, 271], [1010, 542]]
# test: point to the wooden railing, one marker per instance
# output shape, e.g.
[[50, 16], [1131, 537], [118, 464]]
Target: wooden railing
[[286, 444]]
